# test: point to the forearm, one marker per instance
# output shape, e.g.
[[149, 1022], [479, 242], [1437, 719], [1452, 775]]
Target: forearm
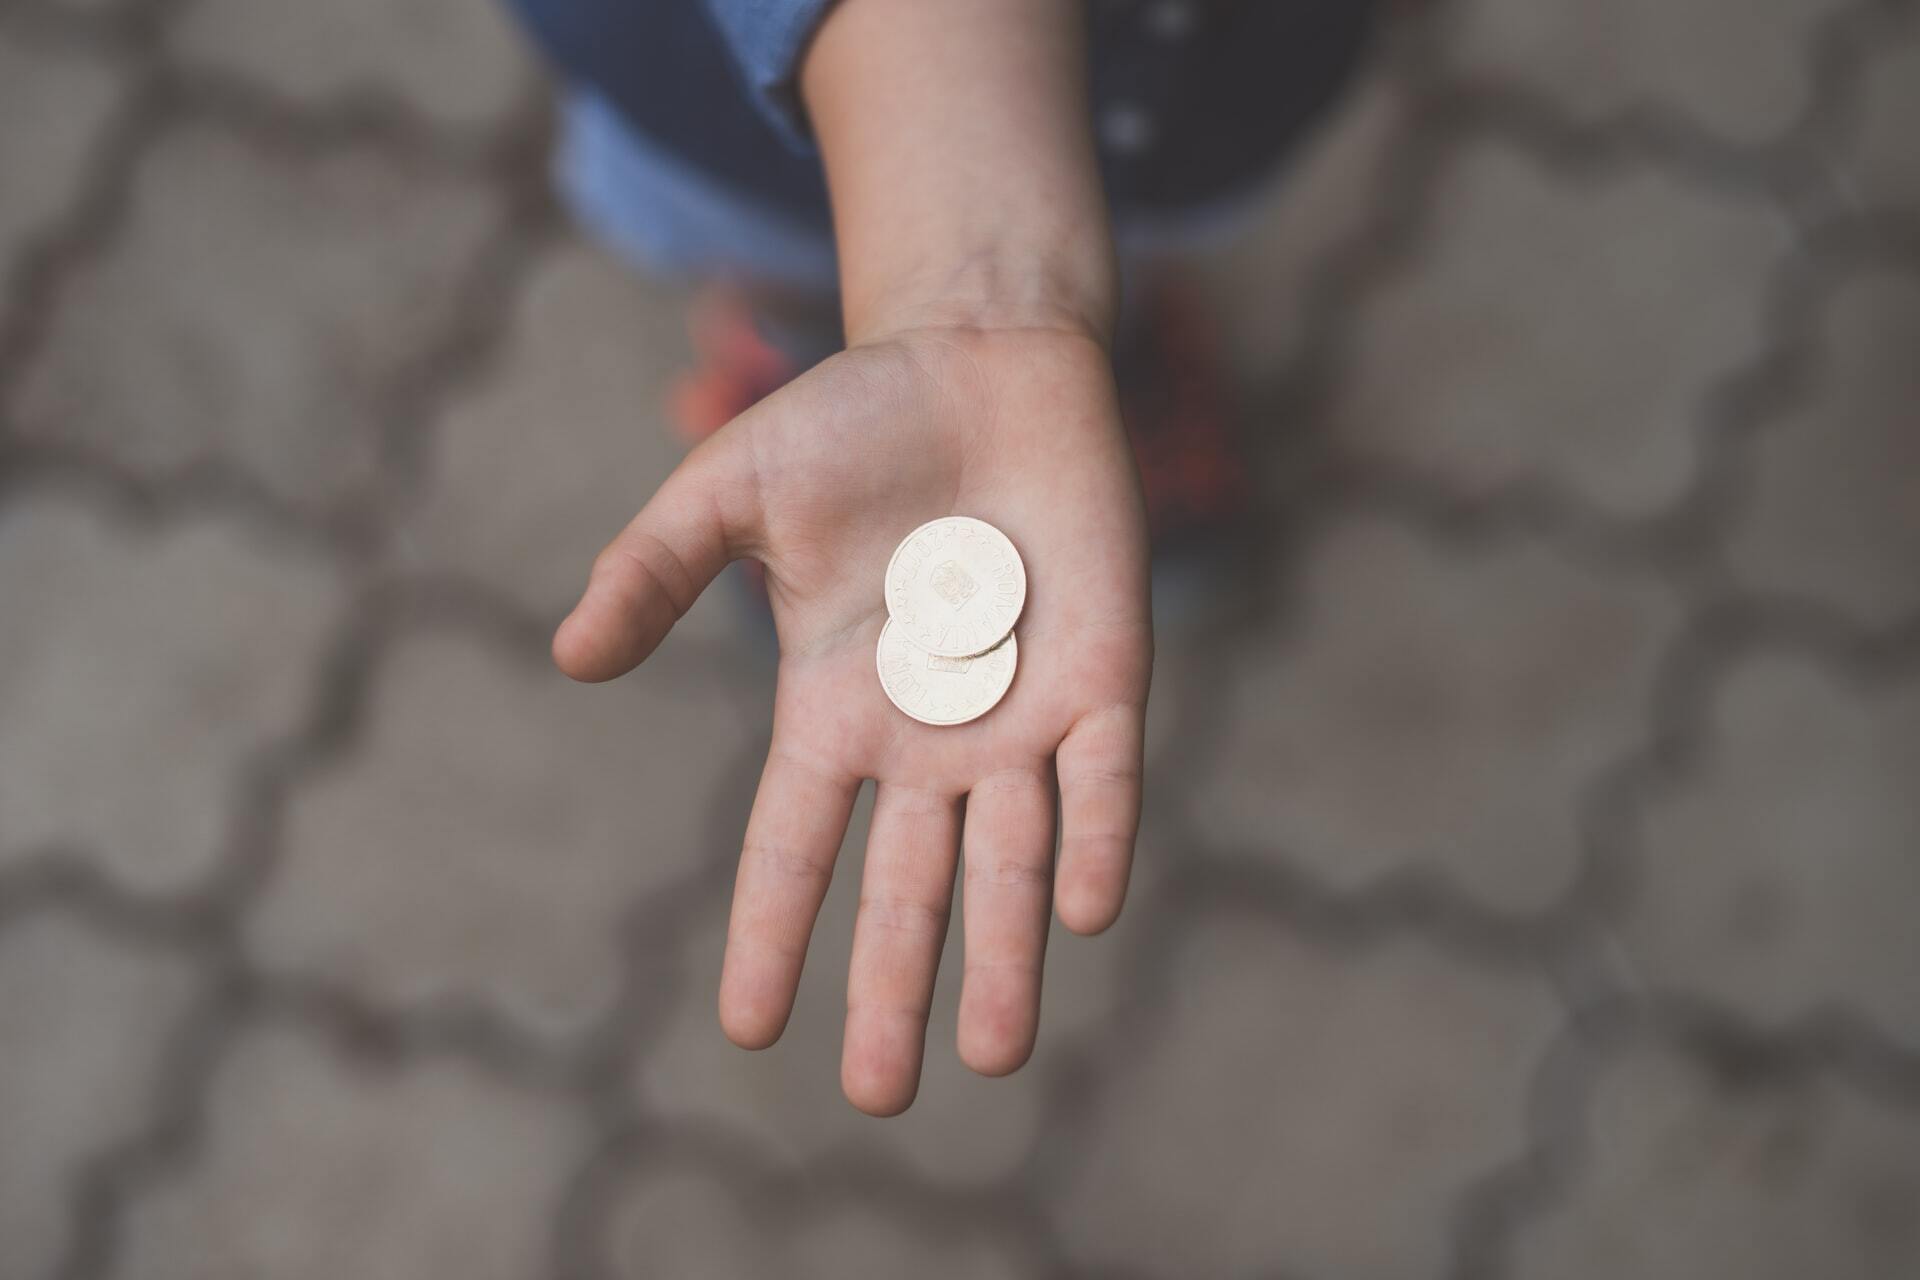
[[961, 165]]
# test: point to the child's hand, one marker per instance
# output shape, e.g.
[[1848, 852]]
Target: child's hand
[[977, 284], [819, 482]]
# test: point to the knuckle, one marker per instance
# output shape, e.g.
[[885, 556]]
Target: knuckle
[[1101, 846], [903, 915], [908, 1011], [1105, 775], [1010, 873], [1010, 783], [789, 862], [654, 567], [1022, 969]]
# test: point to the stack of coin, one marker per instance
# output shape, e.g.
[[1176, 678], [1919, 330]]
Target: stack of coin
[[955, 587]]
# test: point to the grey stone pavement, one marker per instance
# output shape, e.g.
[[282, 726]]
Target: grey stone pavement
[[1532, 862]]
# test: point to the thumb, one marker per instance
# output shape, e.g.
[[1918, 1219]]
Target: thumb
[[647, 578]]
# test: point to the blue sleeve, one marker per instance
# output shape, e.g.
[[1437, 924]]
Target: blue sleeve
[[767, 39]]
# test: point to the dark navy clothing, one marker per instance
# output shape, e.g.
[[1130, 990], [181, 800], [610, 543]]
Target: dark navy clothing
[[1195, 102]]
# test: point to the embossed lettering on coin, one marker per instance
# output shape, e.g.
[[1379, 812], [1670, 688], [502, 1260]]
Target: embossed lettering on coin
[[956, 586], [937, 690]]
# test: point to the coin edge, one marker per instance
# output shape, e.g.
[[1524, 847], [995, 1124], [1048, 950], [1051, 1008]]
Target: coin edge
[[1020, 562], [880, 643]]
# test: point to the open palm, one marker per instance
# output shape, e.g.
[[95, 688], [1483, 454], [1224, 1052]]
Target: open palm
[[819, 482]]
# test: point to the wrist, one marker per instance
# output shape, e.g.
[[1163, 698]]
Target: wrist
[[1070, 291], [960, 162]]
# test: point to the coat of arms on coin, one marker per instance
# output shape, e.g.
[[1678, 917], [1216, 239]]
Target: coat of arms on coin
[[955, 586]]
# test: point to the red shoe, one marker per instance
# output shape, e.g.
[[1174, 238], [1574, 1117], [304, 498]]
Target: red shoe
[[1176, 405], [738, 367]]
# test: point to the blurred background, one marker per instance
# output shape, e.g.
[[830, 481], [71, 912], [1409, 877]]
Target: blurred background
[[1532, 854]]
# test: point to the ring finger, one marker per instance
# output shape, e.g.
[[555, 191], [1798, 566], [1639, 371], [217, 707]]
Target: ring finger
[[906, 893]]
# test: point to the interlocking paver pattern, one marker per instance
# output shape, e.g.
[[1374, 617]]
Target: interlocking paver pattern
[[1735, 67], [1795, 766], [1703, 1169], [317, 1165], [1527, 880], [142, 668], [1264, 276], [487, 831], [535, 467], [1834, 505], [86, 1018], [1440, 711], [256, 309], [1876, 162], [52, 111], [1524, 349], [454, 61], [1387, 1076]]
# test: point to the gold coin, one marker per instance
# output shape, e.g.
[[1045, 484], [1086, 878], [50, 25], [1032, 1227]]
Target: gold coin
[[938, 690], [955, 587]]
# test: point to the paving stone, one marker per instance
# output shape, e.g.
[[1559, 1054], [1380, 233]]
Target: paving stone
[[458, 61], [690, 1226], [1187, 699], [851, 1240], [962, 1128], [1304, 1111], [53, 111], [83, 8], [1441, 711], [1834, 513], [1779, 876], [84, 1019], [488, 834], [1259, 281], [1181, 672], [1560, 330], [1694, 1173], [254, 308], [316, 1167], [1877, 163], [1734, 67], [541, 463], [138, 670], [1301, 1107]]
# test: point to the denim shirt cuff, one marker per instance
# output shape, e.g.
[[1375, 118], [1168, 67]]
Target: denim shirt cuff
[[767, 39]]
